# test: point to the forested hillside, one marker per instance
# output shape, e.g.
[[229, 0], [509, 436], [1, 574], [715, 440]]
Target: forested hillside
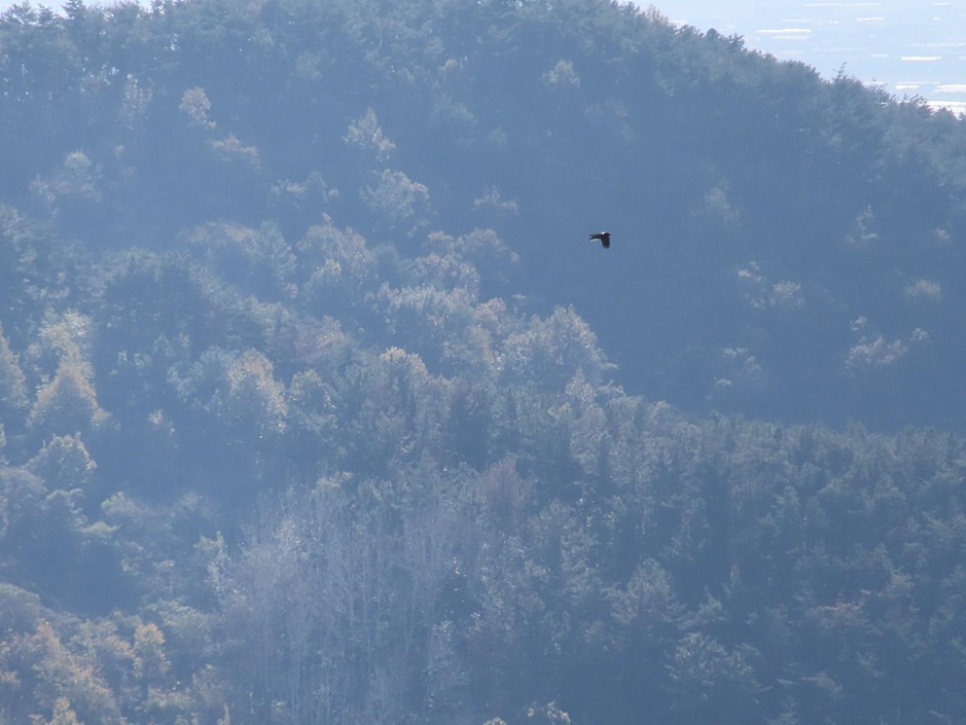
[[318, 407]]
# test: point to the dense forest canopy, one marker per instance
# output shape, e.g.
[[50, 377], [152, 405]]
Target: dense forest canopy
[[317, 406]]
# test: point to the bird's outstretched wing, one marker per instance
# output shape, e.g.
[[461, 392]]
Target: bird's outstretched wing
[[604, 238]]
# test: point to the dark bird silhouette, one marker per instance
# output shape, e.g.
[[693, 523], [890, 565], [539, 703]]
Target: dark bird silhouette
[[604, 238]]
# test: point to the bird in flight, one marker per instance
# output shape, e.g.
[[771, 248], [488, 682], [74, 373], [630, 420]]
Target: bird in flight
[[604, 238]]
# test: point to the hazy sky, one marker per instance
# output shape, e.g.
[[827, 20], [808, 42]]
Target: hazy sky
[[911, 47]]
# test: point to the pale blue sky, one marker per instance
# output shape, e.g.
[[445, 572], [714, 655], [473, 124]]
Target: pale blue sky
[[911, 47]]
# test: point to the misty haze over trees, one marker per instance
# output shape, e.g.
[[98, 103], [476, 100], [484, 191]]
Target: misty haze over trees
[[317, 406]]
